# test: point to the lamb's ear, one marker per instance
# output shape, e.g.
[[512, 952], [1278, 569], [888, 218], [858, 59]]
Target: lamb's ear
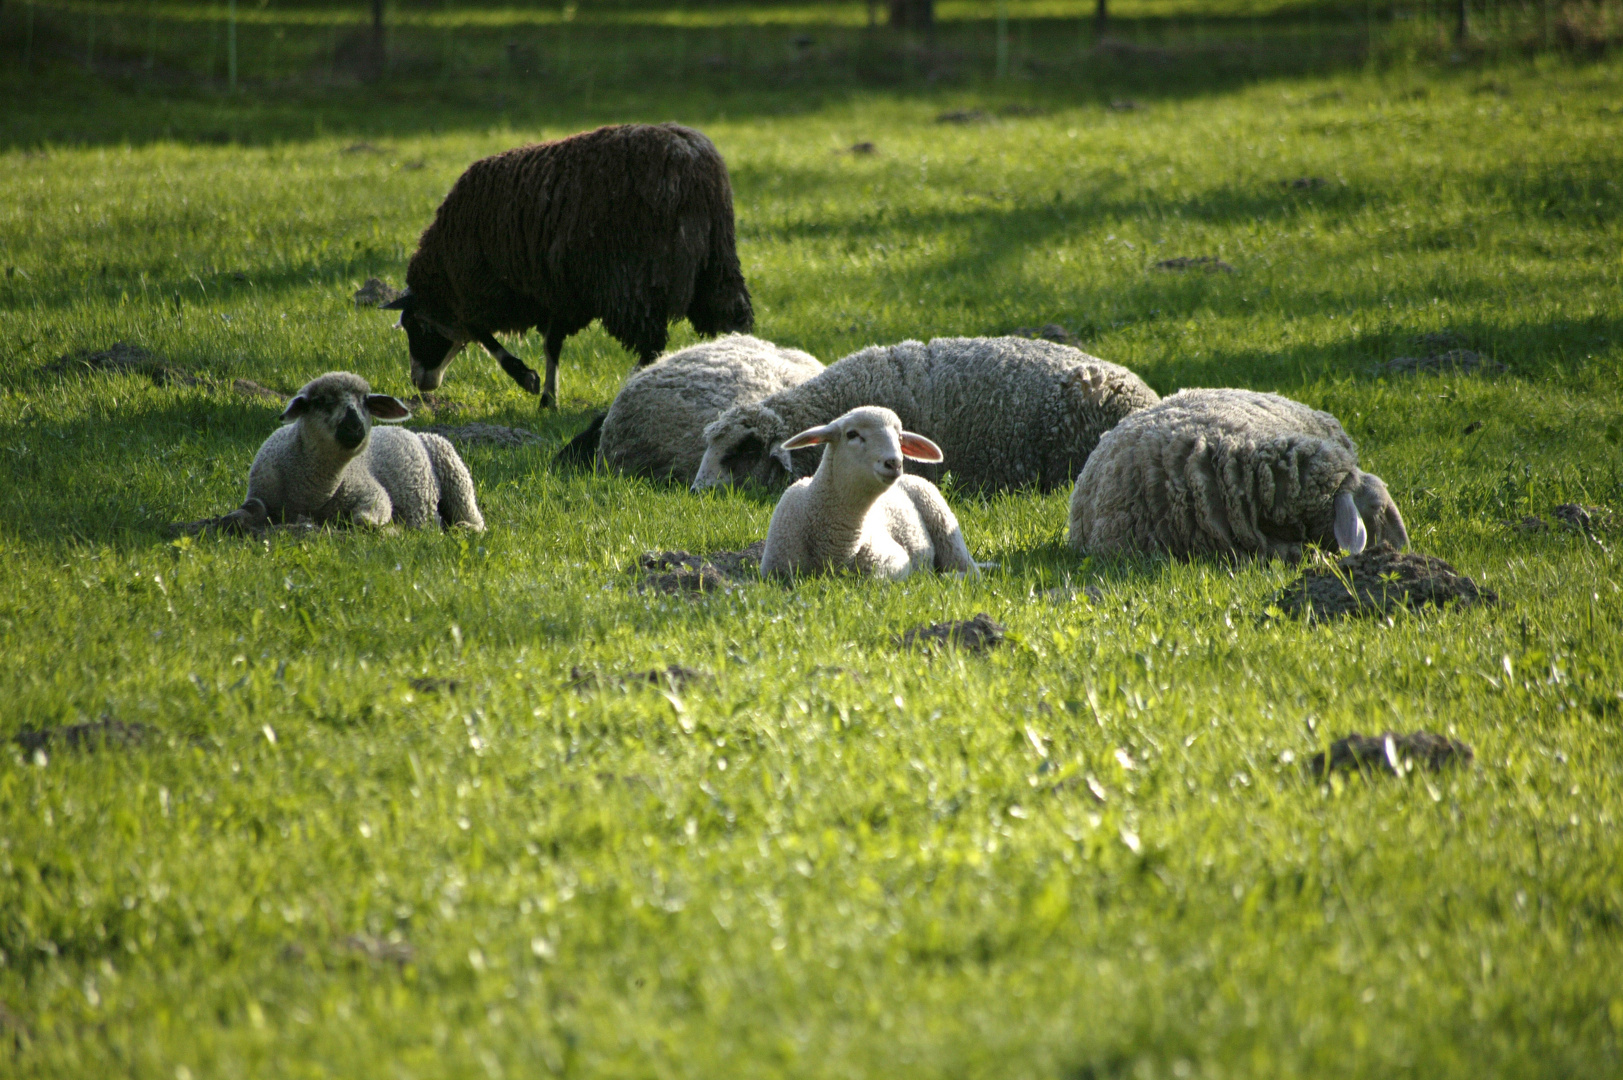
[[402, 302], [809, 437], [384, 407], [295, 409], [1350, 532], [919, 448]]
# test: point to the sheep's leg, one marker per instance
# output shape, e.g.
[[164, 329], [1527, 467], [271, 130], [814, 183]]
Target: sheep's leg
[[521, 372], [555, 348]]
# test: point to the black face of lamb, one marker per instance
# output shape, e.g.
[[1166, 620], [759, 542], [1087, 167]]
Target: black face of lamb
[[351, 430]]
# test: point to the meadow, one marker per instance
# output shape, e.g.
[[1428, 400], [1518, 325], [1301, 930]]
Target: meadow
[[396, 813]]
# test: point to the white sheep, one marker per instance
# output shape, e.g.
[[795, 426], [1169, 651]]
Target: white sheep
[[329, 463], [1008, 412], [858, 511], [1229, 472], [655, 426]]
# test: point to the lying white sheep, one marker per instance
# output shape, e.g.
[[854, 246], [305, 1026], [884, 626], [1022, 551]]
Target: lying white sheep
[[329, 463], [655, 427], [858, 511], [1008, 412], [1229, 472]]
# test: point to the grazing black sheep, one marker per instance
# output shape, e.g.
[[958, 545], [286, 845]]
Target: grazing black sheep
[[631, 224]]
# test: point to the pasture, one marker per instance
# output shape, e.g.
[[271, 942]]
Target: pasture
[[396, 805]]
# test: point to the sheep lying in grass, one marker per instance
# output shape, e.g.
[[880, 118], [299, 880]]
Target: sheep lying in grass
[[329, 463], [858, 511], [1008, 412], [1229, 472], [631, 224], [655, 427]]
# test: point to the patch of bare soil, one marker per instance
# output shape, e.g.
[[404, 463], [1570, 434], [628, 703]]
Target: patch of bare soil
[[1375, 582], [1572, 517], [250, 519], [1047, 332], [1461, 360], [979, 634], [862, 149], [965, 116], [673, 677], [95, 735], [124, 358], [684, 573], [375, 292], [1390, 752], [1209, 263], [503, 438]]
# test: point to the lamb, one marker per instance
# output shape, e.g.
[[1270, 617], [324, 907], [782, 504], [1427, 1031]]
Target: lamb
[[858, 511], [1230, 472], [329, 464], [631, 224], [1007, 412], [655, 426]]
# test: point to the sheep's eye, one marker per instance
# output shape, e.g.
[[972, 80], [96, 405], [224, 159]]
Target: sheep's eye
[[853, 435]]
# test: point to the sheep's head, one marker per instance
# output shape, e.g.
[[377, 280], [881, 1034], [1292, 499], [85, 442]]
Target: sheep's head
[[336, 411], [1365, 511], [863, 450], [432, 341], [744, 443]]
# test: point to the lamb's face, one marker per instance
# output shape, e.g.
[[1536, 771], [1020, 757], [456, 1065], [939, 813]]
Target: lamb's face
[[1379, 512], [336, 412], [739, 447], [863, 450]]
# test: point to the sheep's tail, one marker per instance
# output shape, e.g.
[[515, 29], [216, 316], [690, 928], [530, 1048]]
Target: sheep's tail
[[581, 451], [457, 505]]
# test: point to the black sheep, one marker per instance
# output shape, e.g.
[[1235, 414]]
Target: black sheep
[[631, 224]]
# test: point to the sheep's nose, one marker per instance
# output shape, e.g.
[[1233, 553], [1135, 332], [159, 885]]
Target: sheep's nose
[[892, 465]]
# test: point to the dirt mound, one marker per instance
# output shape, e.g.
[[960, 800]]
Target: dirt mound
[[1589, 520], [1381, 579], [124, 358], [862, 148], [249, 519], [964, 116], [1461, 360], [1390, 752], [1209, 263], [674, 677], [679, 572], [375, 292], [94, 735], [979, 634], [503, 438], [251, 389], [1047, 332]]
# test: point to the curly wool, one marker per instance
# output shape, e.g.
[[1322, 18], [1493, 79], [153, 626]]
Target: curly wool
[[655, 427], [1222, 472], [1007, 412]]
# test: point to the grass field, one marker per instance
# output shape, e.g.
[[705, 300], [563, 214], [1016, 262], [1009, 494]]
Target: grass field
[[1092, 853]]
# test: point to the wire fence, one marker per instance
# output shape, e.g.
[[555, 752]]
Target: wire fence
[[228, 45]]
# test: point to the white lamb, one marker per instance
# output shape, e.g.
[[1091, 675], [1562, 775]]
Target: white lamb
[[858, 511], [328, 463], [1224, 472]]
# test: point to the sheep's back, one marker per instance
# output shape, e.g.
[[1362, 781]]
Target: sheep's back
[[1208, 471], [397, 459], [655, 426]]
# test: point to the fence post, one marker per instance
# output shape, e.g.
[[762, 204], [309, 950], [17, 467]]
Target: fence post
[[1002, 39], [231, 46]]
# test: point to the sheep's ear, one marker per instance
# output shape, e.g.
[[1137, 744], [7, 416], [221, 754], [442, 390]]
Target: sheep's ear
[[295, 409], [384, 407], [919, 448], [1350, 533], [809, 437], [402, 302]]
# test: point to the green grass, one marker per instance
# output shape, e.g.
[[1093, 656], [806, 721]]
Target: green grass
[[1091, 854]]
